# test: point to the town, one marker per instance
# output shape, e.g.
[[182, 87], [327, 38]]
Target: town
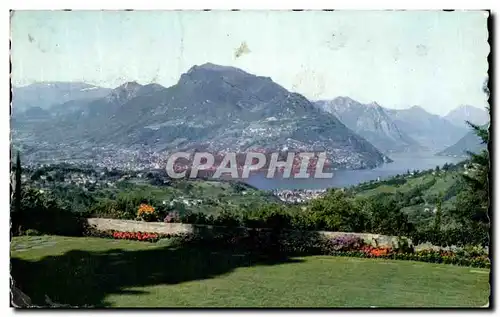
[[298, 196]]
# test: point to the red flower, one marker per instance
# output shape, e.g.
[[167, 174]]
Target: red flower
[[140, 236]]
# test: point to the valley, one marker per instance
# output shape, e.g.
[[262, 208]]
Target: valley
[[137, 126]]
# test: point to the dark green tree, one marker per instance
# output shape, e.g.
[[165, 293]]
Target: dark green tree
[[17, 184], [439, 213], [473, 204]]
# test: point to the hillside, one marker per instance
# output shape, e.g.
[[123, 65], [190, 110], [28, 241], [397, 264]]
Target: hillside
[[47, 94], [464, 113], [430, 130], [469, 143], [419, 191], [212, 107], [371, 122]]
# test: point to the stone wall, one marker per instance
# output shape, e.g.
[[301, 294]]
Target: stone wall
[[136, 226], [179, 228]]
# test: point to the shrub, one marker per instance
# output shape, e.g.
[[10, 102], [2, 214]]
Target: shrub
[[146, 212], [347, 243], [172, 217], [227, 219], [190, 217], [452, 236], [32, 232], [40, 211], [404, 245]]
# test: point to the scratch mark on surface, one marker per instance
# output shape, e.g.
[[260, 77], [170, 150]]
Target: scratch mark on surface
[[309, 79], [32, 40], [241, 50], [396, 54], [336, 41], [422, 50]]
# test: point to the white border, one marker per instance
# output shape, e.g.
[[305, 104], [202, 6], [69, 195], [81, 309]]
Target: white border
[[254, 4], [192, 5]]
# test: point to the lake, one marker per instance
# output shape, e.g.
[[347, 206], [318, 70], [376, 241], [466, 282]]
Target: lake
[[345, 178]]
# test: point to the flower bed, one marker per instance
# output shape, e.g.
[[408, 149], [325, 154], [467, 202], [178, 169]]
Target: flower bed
[[431, 257], [421, 256], [309, 243], [140, 236], [126, 235], [468, 256]]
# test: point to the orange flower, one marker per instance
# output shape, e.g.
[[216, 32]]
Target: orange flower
[[379, 252], [145, 209]]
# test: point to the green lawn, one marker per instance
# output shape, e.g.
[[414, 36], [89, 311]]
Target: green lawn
[[105, 272]]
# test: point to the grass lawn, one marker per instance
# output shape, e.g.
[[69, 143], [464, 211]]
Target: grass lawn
[[118, 273]]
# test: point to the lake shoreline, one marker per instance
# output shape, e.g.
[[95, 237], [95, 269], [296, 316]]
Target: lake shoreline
[[402, 163]]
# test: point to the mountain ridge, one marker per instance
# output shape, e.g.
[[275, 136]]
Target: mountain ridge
[[220, 108], [470, 142], [371, 122], [463, 113], [53, 93], [429, 130]]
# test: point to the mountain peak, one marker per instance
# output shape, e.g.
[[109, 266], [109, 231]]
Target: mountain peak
[[343, 100], [130, 85], [463, 113], [228, 78], [124, 92], [215, 68], [374, 104], [416, 108], [211, 66], [466, 109]]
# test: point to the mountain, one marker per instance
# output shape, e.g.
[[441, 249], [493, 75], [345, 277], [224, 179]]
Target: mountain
[[464, 113], [108, 103], [30, 116], [48, 94], [36, 113], [215, 108], [371, 122], [430, 130], [470, 142]]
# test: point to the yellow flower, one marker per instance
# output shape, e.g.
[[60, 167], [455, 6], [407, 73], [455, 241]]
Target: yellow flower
[[145, 208]]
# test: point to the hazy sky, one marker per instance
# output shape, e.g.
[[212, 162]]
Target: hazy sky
[[434, 59]]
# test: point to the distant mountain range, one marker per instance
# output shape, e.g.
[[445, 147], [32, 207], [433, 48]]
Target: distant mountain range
[[212, 107], [46, 95], [429, 130], [371, 122], [219, 108], [413, 129], [460, 115], [468, 143]]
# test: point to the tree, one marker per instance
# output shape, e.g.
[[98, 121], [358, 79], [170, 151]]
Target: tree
[[473, 204], [387, 217], [478, 180], [17, 185], [439, 213]]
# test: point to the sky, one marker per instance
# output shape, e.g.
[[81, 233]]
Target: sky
[[433, 59]]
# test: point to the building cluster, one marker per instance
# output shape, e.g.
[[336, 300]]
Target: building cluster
[[185, 201], [298, 196]]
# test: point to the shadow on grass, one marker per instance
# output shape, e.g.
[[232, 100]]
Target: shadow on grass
[[82, 278]]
